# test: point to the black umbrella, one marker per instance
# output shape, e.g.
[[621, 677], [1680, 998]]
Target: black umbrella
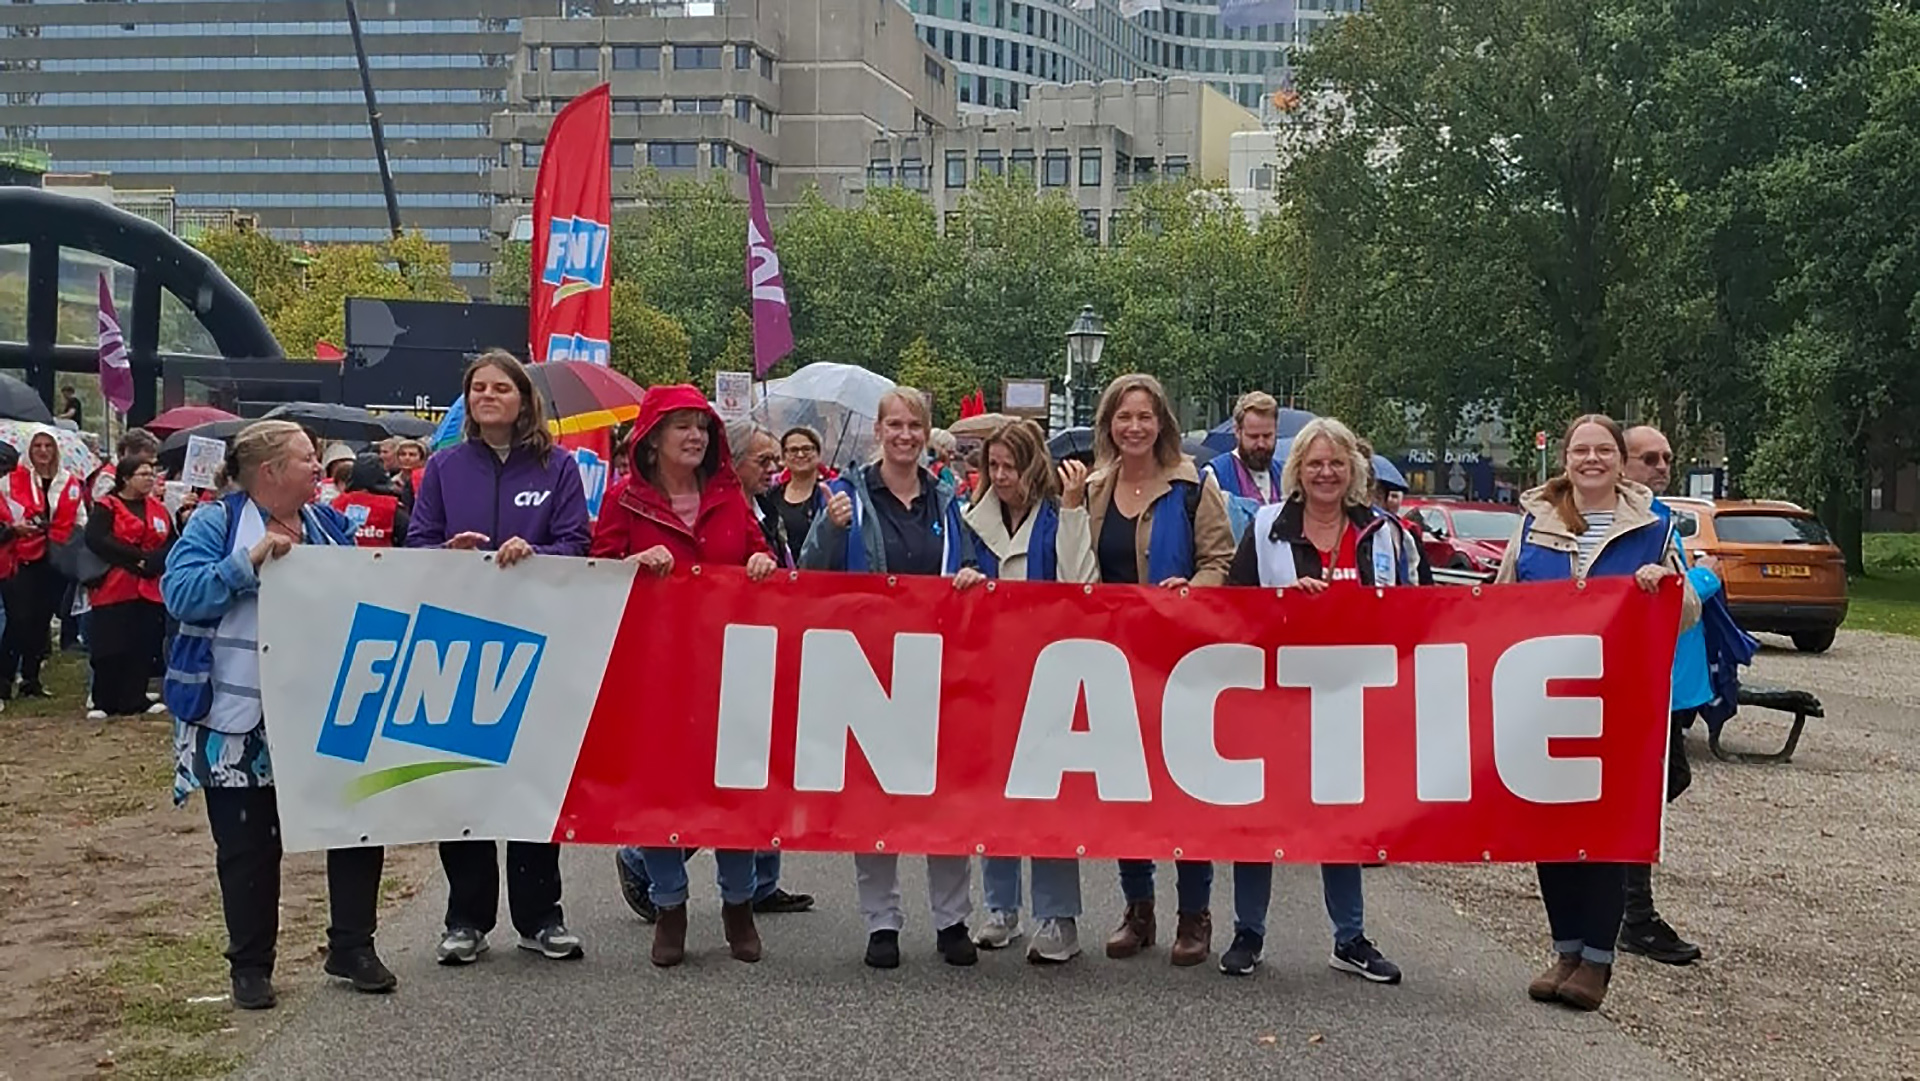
[[335, 422], [407, 426], [1201, 452], [1072, 443], [19, 401]]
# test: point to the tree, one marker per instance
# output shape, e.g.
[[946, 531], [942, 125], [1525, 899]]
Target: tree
[[649, 347], [269, 271], [513, 272], [686, 249], [1017, 271], [945, 382], [864, 282]]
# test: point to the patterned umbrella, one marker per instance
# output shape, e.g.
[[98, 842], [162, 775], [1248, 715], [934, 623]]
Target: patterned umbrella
[[74, 452], [584, 397]]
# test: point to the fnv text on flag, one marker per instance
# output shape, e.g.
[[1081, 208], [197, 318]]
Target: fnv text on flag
[[570, 306], [772, 328], [116, 373]]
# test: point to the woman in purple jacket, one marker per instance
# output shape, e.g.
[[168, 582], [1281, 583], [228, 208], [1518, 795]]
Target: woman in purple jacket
[[508, 490]]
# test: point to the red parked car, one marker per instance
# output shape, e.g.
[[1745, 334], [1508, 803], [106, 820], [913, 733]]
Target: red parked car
[[1463, 536]]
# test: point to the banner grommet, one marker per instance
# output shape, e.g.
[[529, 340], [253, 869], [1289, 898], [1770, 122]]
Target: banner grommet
[[696, 570], [1476, 591], [1279, 853], [673, 838], [1177, 853], [1087, 589], [991, 584], [979, 850], [775, 843], [793, 576], [879, 846], [569, 835], [1382, 855], [1486, 857], [892, 581], [1079, 850], [1583, 855], [1183, 591]]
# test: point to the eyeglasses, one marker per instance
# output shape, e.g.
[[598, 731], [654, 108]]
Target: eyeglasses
[[1657, 457], [766, 461], [801, 452]]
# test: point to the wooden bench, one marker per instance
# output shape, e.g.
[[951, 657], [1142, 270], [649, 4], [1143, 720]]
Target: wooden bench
[[1801, 704]]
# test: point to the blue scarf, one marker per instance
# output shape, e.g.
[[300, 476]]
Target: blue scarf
[[1043, 555]]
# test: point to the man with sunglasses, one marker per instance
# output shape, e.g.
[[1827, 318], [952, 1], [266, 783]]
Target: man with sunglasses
[[1650, 462]]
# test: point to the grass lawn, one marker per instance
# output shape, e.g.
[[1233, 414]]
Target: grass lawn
[[1887, 599]]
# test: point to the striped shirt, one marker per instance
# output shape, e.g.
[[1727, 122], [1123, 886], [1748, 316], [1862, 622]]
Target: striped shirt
[[1599, 524]]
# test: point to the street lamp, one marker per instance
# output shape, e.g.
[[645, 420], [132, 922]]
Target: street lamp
[[1086, 340]]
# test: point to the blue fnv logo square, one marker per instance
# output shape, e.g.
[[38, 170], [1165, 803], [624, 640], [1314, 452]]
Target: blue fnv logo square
[[577, 250], [579, 347], [438, 679]]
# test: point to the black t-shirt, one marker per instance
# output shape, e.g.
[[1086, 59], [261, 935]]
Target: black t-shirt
[[71, 410], [912, 535], [796, 519], [1116, 553]]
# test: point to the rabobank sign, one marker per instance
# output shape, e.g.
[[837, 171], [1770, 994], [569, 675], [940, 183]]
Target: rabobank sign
[[576, 256], [436, 679]]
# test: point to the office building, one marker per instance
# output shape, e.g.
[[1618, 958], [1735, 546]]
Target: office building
[[807, 85], [1093, 141], [258, 107], [1005, 49]]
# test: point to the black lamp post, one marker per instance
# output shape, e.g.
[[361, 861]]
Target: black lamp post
[[1086, 340]]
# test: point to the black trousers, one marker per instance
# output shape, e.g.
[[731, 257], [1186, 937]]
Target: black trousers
[[32, 595], [1584, 902], [123, 638], [1640, 910], [246, 840], [473, 884]]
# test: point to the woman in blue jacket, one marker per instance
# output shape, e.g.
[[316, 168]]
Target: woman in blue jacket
[[1590, 521], [507, 490]]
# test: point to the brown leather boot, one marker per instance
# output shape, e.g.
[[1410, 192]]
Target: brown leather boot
[[743, 939], [1586, 989], [1193, 938], [670, 936], [1136, 932], [1546, 986]]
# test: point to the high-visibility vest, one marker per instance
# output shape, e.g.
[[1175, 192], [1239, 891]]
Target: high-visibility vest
[[372, 516], [148, 534]]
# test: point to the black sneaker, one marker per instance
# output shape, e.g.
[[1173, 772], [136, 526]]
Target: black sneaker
[[1658, 941], [634, 889], [254, 992], [554, 942], [34, 690], [782, 901], [883, 949], [956, 945], [1360, 958], [1244, 955], [363, 969]]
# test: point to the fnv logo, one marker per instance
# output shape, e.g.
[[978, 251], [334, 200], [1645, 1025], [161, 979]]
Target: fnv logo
[[439, 680], [576, 256], [578, 347]]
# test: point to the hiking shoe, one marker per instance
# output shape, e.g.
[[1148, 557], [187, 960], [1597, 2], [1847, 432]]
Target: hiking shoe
[[633, 888], [460, 946], [1192, 938], [883, 949], [1244, 955], [554, 941], [363, 969], [254, 992], [955, 946], [1546, 986], [782, 901], [1001, 930], [1363, 960], [1056, 941], [1658, 941]]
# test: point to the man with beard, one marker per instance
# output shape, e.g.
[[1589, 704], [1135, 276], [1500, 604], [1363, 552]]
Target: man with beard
[[1249, 476]]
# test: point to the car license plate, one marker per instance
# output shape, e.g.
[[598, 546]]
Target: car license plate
[[1786, 570]]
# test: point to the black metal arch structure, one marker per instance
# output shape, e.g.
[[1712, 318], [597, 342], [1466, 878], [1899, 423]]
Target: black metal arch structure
[[46, 222]]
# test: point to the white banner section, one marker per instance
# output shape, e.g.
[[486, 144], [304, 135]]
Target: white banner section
[[417, 695]]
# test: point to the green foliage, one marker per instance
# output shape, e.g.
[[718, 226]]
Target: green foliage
[[862, 283], [648, 346], [513, 272], [1016, 271], [946, 382], [685, 249]]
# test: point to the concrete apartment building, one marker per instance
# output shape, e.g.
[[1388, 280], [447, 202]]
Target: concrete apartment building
[[1093, 141], [806, 85]]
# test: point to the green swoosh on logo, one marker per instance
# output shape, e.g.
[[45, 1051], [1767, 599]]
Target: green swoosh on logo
[[372, 784]]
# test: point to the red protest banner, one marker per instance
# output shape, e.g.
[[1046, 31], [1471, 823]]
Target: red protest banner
[[857, 713]]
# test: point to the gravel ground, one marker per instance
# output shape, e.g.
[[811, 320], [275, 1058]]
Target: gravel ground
[[1800, 881]]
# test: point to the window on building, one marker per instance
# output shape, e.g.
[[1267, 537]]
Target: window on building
[[766, 174], [576, 58], [740, 163], [1122, 170], [879, 173], [506, 155], [626, 105], [530, 155], [743, 110], [650, 105], [766, 67], [672, 155], [913, 174], [623, 155], [1090, 225], [1175, 167], [717, 155], [696, 105], [991, 164], [1023, 165], [696, 57], [636, 58], [1090, 168], [956, 169], [1056, 170], [743, 57], [766, 120], [533, 58]]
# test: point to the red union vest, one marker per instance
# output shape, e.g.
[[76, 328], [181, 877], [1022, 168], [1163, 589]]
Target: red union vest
[[149, 534], [371, 515], [25, 501]]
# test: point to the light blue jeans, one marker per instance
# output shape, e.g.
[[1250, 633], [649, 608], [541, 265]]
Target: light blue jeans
[[1056, 886], [1339, 882], [667, 875]]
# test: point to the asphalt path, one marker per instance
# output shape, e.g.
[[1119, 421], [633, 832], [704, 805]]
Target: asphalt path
[[811, 1009]]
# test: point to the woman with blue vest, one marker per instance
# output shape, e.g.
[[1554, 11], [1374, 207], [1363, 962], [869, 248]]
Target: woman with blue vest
[[892, 517], [1029, 524], [1155, 522], [1590, 521], [211, 585], [1326, 531]]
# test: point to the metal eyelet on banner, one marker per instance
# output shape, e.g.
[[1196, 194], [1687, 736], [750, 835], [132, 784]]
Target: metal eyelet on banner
[[1079, 850], [1177, 853], [264, 647], [979, 850], [1379, 592], [1580, 583], [775, 843], [488, 558], [593, 563], [364, 838], [376, 555], [467, 832], [696, 570], [1476, 591], [1183, 591], [990, 586], [1382, 857], [879, 846], [1279, 853], [1280, 594], [892, 581], [1087, 589], [793, 576], [673, 838], [1486, 857], [1583, 855], [569, 835]]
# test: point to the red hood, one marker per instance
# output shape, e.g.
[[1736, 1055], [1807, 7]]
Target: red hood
[[659, 401]]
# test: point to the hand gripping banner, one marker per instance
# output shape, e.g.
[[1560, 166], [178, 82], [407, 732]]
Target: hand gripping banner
[[421, 696]]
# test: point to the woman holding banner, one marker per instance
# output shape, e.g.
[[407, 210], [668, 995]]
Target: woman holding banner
[[683, 504], [1155, 522], [1325, 531], [1590, 520], [892, 517], [1030, 524], [507, 490]]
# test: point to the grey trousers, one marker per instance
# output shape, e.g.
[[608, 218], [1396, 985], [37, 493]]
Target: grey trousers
[[949, 879]]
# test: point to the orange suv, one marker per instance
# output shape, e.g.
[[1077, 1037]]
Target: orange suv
[[1781, 570]]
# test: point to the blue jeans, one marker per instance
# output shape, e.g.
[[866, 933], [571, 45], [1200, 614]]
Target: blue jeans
[[667, 875], [1193, 883], [1056, 886], [1339, 882], [766, 874]]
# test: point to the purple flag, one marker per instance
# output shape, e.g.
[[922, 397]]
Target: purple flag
[[772, 328], [116, 375], [1235, 14]]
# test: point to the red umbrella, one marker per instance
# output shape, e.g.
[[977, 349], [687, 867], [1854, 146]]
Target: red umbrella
[[584, 397], [186, 416]]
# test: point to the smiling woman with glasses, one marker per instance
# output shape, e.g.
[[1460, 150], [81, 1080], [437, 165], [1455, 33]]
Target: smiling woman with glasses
[[797, 502]]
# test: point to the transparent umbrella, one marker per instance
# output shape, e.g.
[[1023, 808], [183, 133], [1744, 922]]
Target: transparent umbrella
[[840, 401]]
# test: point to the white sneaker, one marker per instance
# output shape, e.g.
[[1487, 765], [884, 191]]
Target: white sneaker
[[96, 715], [153, 696], [156, 709], [1001, 930], [1055, 942]]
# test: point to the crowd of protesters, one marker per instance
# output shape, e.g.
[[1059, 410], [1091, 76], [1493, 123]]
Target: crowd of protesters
[[176, 591]]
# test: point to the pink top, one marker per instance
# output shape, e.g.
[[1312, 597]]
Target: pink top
[[686, 507]]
